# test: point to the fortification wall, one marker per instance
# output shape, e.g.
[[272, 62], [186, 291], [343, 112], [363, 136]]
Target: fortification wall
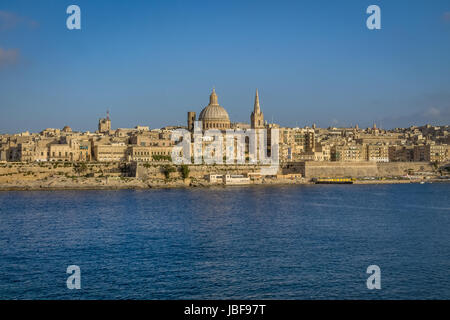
[[195, 171], [362, 169], [13, 171], [10, 172], [401, 168], [340, 169]]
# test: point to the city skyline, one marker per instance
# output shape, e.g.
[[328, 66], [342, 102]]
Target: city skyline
[[312, 63], [138, 123]]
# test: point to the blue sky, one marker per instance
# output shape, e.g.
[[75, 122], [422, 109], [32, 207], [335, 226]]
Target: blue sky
[[150, 62]]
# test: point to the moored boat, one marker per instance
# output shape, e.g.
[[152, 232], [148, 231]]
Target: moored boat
[[333, 180]]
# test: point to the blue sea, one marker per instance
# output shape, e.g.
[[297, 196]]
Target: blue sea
[[280, 242]]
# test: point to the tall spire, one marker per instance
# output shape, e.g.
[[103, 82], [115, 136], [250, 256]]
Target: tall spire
[[213, 98], [256, 108], [257, 117]]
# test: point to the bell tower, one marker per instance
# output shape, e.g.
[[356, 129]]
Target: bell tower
[[257, 117], [104, 124]]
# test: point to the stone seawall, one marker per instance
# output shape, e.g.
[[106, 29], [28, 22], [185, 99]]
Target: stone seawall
[[311, 169], [140, 175], [401, 168], [340, 169]]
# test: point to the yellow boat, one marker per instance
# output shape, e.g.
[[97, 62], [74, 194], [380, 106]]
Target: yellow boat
[[333, 180]]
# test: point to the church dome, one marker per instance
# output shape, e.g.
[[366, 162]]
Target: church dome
[[213, 111]]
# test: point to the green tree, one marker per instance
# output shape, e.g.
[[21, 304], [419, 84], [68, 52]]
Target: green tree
[[158, 157], [167, 170], [80, 168], [185, 171]]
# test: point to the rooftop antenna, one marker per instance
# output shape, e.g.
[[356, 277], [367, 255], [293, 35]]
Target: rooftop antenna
[[107, 114]]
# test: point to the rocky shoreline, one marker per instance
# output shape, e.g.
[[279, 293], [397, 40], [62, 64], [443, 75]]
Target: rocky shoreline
[[138, 184]]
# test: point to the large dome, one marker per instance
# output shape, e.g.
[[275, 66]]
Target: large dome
[[213, 111], [214, 116]]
